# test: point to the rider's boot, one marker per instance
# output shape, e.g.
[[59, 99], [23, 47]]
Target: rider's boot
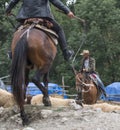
[[67, 54]]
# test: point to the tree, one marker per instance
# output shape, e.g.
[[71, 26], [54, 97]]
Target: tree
[[101, 37]]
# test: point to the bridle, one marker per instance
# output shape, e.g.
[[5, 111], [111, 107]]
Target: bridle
[[83, 85]]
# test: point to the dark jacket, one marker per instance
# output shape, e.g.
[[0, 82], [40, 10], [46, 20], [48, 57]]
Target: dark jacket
[[91, 65], [36, 8]]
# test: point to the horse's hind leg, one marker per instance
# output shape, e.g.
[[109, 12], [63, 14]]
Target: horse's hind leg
[[46, 81], [44, 89]]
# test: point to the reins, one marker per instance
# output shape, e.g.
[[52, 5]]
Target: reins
[[83, 40], [84, 85]]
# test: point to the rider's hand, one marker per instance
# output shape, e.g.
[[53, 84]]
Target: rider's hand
[[71, 15], [84, 70]]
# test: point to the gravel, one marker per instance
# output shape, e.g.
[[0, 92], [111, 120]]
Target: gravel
[[62, 118]]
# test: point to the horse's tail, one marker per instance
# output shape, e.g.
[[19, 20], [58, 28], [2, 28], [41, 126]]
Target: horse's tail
[[18, 69]]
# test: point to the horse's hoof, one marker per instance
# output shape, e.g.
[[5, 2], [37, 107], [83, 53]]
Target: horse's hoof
[[25, 122], [48, 104], [46, 101], [79, 102]]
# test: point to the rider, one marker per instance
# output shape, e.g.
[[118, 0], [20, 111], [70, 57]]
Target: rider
[[41, 9], [88, 66]]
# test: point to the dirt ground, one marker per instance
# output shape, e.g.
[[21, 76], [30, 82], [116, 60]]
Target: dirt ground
[[61, 118]]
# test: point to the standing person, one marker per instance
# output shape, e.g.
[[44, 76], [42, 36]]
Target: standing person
[[41, 9], [88, 66]]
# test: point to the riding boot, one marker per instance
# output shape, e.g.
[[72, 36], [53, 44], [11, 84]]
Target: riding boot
[[68, 54], [62, 40], [63, 45]]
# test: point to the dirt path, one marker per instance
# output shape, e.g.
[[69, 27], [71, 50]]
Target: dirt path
[[68, 118]]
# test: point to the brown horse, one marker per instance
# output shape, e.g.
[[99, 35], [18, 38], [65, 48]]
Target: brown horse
[[88, 92], [31, 48]]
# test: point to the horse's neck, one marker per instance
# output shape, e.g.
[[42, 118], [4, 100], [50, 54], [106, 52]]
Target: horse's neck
[[86, 78], [88, 81]]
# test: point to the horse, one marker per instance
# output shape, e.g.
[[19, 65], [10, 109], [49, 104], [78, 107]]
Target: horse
[[87, 90], [31, 49]]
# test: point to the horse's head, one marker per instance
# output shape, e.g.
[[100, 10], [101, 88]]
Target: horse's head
[[82, 78], [79, 80]]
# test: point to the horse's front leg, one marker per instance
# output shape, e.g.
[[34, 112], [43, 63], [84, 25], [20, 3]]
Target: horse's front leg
[[44, 89], [79, 97]]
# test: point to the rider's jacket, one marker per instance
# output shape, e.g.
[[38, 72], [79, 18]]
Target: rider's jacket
[[36, 8]]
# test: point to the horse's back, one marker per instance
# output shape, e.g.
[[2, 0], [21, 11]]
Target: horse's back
[[41, 46], [41, 49]]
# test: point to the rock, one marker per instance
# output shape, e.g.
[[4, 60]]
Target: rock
[[74, 105], [98, 110], [6, 99], [1, 109], [3, 129], [64, 119], [16, 109], [46, 113], [98, 129], [117, 111], [76, 113], [28, 128]]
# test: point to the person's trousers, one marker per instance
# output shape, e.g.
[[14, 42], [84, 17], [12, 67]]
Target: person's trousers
[[100, 83], [58, 29]]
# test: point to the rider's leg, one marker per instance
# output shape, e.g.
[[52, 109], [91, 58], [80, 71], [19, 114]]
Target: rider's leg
[[62, 40], [100, 83]]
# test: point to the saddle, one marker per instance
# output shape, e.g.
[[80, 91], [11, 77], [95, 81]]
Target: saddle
[[40, 24], [93, 78]]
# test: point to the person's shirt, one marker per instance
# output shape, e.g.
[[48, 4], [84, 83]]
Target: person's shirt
[[88, 64]]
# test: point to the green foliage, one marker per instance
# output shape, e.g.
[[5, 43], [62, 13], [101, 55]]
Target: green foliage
[[5, 40], [101, 37]]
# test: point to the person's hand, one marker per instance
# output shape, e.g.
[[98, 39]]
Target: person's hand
[[85, 70], [70, 15]]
